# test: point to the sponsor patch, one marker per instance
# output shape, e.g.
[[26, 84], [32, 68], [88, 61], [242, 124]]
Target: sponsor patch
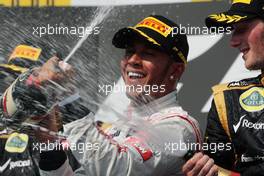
[[35, 3], [14, 164], [226, 18], [245, 158], [155, 25], [14, 67], [242, 1], [16, 143], [236, 126], [26, 52], [24, 163], [253, 99], [138, 146], [238, 84], [5, 165]]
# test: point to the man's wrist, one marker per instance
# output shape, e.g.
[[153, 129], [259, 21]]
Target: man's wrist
[[33, 81]]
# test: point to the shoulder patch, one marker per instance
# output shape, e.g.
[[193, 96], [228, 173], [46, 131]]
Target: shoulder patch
[[139, 147], [245, 82], [242, 84], [252, 100], [16, 143]]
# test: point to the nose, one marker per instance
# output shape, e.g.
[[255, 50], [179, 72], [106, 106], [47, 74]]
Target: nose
[[235, 40], [135, 60]]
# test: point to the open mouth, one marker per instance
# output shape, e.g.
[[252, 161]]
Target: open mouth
[[135, 75]]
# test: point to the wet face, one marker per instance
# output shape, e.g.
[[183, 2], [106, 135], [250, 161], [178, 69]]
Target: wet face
[[248, 37], [146, 66]]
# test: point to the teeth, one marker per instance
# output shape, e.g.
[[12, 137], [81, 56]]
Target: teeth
[[133, 74]]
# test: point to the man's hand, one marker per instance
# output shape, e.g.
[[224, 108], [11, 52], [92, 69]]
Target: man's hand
[[200, 165], [54, 70]]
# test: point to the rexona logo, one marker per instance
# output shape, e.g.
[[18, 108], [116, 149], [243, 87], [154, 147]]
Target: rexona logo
[[247, 124], [253, 99], [14, 164], [5, 165]]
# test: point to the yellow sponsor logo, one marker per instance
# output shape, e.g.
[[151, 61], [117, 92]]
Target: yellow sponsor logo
[[16, 143], [227, 18], [156, 25], [26, 52], [34, 3], [242, 1], [14, 67], [253, 99]]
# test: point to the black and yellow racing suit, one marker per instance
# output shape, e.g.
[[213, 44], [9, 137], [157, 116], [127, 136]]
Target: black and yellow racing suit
[[18, 152], [237, 117]]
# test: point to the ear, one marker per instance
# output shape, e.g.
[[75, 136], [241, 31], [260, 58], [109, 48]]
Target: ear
[[176, 70]]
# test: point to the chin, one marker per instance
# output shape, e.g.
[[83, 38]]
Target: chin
[[247, 66], [252, 66]]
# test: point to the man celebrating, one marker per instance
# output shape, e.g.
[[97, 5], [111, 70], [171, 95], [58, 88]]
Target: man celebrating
[[16, 146], [155, 57], [237, 112]]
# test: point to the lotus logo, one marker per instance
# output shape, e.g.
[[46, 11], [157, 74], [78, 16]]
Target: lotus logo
[[16, 143], [253, 99]]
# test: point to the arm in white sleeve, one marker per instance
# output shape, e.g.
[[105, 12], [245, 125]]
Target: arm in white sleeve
[[100, 154]]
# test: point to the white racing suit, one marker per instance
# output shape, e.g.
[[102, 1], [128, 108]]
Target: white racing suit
[[152, 141]]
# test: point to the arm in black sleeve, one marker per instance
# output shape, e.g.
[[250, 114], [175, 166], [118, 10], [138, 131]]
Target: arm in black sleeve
[[22, 100], [215, 135]]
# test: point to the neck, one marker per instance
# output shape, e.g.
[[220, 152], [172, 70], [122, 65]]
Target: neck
[[140, 100]]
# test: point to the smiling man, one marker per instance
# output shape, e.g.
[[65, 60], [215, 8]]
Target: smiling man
[[154, 56], [237, 112], [248, 38], [148, 139], [148, 70]]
